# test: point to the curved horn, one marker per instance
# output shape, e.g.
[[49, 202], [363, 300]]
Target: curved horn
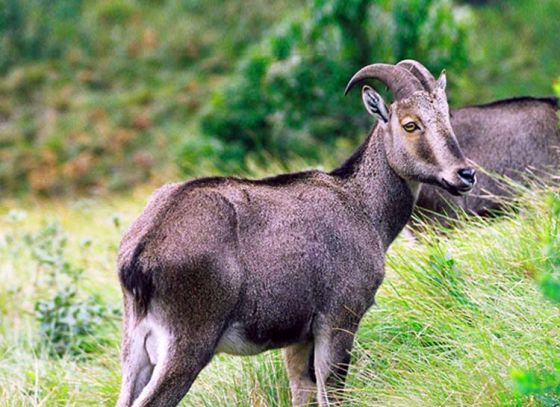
[[400, 81], [420, 72]]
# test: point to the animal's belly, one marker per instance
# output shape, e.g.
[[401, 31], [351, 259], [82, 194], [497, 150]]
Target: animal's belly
[[240, 339], [236, 342]]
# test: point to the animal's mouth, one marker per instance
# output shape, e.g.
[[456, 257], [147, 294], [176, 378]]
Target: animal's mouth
[[457, 190]]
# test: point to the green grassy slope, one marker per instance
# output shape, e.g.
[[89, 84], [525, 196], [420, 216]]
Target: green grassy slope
[[455, 316]]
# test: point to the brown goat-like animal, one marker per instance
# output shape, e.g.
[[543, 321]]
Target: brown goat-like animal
[[294, 261]]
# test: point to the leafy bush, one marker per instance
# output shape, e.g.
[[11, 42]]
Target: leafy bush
[[68, 324], [47, 249], [286, 95]]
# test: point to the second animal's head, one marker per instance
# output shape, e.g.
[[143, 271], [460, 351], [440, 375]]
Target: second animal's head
[[419, 141]]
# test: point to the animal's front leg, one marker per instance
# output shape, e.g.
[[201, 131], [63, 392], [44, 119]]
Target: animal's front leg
[[299, 359]]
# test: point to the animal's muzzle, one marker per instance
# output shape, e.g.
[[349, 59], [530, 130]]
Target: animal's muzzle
[[467, 177]]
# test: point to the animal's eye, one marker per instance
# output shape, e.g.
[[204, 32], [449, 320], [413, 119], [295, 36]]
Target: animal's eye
[[410, 127]]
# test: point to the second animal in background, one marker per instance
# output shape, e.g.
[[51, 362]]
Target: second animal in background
[[514, 138]]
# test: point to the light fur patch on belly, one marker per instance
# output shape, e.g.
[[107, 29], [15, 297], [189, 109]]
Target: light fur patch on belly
[[234, 342]]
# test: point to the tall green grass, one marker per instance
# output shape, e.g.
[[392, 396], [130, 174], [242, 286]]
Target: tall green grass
[[457, 314]]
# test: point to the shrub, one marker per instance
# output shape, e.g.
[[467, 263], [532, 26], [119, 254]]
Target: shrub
[[69, 324], [286, 95]]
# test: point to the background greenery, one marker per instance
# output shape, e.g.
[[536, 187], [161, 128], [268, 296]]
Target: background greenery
[[101, 101], [101, 96]]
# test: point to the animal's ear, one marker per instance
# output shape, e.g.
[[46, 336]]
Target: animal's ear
[[442, 80], [374, 104]]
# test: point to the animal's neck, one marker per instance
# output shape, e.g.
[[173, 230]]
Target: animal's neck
[[388, 198]]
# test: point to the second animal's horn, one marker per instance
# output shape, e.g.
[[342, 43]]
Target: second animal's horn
[[420, 72]]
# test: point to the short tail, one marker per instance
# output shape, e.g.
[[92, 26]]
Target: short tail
[[138, 281]]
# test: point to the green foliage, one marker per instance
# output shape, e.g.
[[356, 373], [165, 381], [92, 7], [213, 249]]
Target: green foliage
[[543, 383], [550, 284], [286, 95], [513, 50], [68, 324], [549, 277], [431, 34], [94, 96], [31, 30], [47, 250], [556, 86]]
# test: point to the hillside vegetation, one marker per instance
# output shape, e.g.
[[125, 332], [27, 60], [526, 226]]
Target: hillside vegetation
[[96, 96], [102, 96]]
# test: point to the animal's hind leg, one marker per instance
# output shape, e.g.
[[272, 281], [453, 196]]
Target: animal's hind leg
[[178, 365], [137, 368], [299, 364]]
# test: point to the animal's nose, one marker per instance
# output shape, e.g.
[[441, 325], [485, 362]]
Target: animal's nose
[[468, 175]]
